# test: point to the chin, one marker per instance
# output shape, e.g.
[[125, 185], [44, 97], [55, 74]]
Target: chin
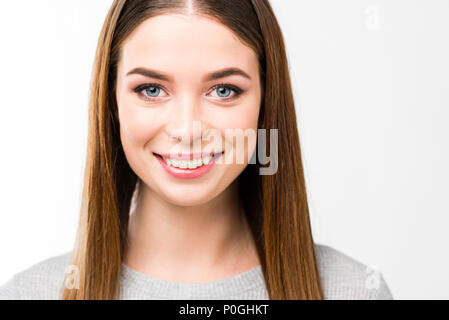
[[187, 196], [184, 201]]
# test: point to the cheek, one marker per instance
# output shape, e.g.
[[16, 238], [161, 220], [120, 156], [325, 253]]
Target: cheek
[[244, 116], [240, 131], [137, 128], [137, 125]]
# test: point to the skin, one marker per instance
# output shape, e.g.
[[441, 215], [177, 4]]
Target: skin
[[187, 230]]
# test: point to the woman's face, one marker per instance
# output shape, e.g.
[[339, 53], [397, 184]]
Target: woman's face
[[169, 88]]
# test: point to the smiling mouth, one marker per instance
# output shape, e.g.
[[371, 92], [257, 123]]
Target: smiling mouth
[[183, 162]]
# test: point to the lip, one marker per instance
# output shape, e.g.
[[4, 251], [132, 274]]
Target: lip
[[188, 173], [187, 156]]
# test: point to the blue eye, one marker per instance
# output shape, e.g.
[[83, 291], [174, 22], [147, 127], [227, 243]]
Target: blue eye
[[149, 91], [225, 91], [152, 91]]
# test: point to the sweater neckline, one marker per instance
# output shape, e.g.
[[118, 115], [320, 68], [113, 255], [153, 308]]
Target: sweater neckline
[[244, 281]]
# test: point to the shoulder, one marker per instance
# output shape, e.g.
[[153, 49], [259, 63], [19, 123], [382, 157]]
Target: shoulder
[[345, 278], [42, 280]]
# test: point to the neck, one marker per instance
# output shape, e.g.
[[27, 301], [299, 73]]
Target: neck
[[190, 244]]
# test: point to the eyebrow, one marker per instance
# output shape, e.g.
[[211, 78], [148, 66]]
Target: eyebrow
[[226, 73], [209, 77]]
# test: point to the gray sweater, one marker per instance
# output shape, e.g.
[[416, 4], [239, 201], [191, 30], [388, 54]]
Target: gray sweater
[[342, 278]]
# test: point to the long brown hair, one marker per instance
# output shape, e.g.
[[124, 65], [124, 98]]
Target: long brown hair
[[275, 205]]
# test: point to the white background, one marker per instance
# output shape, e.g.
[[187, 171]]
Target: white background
[[371, 81]]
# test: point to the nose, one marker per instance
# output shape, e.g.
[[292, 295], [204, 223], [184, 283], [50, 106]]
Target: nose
[[184, 125]]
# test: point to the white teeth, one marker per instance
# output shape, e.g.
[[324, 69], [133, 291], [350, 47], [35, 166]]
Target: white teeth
[[183, 164], [186, 164]]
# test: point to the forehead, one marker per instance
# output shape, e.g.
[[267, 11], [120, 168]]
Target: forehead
[[177, 43]]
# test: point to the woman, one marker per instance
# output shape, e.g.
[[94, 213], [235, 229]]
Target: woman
[[168, 212]]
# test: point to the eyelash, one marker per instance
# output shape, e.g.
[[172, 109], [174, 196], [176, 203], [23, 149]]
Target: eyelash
[[139, 89]]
